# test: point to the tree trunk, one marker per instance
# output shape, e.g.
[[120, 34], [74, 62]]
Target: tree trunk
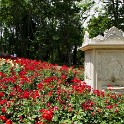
[[69, 56], [59, 53], [75, 55]]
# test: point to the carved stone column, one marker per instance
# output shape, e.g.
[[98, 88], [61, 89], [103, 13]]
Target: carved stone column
[[104, 59]]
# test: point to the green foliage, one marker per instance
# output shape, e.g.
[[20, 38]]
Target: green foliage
[[98, 25], [41, 29], [115, 10], [113, 16]]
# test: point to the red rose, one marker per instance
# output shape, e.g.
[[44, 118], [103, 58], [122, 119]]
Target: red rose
[[109, 106], [8, 121], [26, 94], [63, 77], [47, 115], [1, 94], [40, 85], [3, 109], [3, 118]]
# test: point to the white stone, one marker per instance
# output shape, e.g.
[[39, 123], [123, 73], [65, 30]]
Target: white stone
[[104, 59]]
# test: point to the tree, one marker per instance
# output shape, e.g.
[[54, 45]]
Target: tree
[[115, 10], [62, 30], [17, 20], [98, 25], [42, 29], [113, 16]]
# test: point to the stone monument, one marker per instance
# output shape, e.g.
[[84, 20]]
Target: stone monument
[[104, 59]]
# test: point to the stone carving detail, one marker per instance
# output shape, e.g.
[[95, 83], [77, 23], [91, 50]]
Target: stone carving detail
[[110, 66], [99, 38], [86, 37], [112, 33], [88, 65]]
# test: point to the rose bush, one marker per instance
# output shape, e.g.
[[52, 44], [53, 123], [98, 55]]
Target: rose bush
[[36, 92]]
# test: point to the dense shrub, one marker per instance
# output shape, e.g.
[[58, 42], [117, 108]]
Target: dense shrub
[[35, 92]]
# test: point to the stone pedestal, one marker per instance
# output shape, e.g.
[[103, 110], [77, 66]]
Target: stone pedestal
[[104, 59]]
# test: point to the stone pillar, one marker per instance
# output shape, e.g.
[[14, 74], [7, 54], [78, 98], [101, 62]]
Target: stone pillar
[[104, 59]]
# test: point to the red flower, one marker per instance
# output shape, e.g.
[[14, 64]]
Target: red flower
[[109, 87], [70, 109], [17, 88], [116, 110], [12, 93], [26, 94], [93, 113], [48, 104], [8, 104], [99, 110], [109, 106], [97, 92], [50, 93], [3, 118], [64, 68], [3, 109], [55, 108], [75, 80], [47, 115], [42, 110], [35, 94], [3, 101], [79, 88], [63, 77], [40, 85], [113, 96], [87, 105], [1, 94], [20, 117], [2, 74], [8, 121]]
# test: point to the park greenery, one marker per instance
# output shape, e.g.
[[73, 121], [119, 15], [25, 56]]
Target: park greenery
[[52, 30], [36, 90], [113, 16], [44, 93]]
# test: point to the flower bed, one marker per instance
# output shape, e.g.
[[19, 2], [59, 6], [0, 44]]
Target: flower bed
[[36, 92]]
